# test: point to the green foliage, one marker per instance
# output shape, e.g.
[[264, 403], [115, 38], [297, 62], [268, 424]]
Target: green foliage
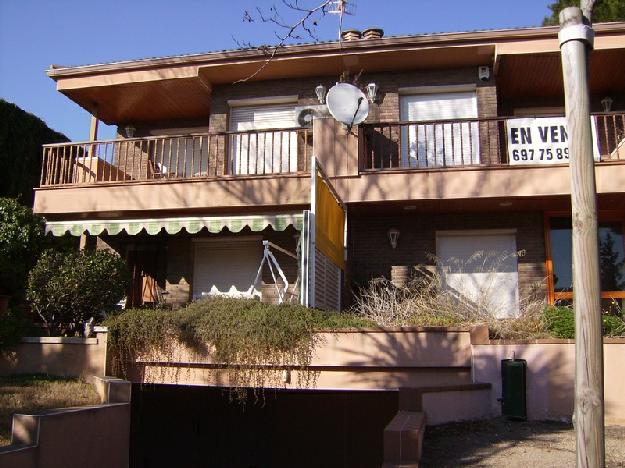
[[603, 11], [13, 325], [21, 137], [21, 238], [253, 340], [560, 322], [67, 288], [613, 325]]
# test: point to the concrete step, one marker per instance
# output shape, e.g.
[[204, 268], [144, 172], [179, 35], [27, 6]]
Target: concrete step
[[403, 439]]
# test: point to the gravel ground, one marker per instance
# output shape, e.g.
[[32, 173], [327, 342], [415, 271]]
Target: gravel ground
[[504, 443]]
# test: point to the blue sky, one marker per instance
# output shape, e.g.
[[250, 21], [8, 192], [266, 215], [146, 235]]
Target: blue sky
[[37, 33]]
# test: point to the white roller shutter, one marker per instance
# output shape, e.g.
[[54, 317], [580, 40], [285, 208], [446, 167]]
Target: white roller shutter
[[263, 152], [226, 268], [435, 145], [482, 267]]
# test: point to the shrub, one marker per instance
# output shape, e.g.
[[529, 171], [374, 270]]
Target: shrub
[[67, 288], [253, 340], [21, 237], [560, 322], [13, 325], [424, 301], [613, 325]]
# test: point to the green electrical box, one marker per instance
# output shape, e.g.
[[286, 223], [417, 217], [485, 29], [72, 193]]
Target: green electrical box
[[513, 398]]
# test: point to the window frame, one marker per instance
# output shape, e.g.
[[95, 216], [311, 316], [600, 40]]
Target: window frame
[[552, 295]]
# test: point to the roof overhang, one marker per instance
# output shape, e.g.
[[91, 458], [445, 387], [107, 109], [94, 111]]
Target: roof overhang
[[180, 87]]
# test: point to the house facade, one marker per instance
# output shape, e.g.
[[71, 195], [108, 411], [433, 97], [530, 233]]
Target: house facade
[[229, 176]]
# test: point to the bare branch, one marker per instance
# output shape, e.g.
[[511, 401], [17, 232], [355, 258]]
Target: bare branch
[[306, 23]]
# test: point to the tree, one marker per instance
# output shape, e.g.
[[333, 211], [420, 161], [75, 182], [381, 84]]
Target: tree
[[21, 137], [21, 240], [66, 289], [602, 10]]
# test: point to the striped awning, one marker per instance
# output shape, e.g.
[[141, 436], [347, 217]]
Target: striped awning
[[214, 224]]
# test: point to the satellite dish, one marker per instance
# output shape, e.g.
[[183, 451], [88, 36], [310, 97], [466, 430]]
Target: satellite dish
[[347, 104]]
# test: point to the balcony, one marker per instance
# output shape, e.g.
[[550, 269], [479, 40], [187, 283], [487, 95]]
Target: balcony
[[474, 143], [270, 152], [268, 170]]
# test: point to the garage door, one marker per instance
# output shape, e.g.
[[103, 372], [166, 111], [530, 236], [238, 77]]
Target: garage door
[[226, 268], [481, 267]]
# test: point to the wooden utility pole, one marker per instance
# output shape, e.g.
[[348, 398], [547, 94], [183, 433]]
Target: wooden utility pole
[[576, 39]]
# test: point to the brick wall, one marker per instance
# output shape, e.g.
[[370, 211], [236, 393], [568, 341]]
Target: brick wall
[[370, 254], [387, 107]]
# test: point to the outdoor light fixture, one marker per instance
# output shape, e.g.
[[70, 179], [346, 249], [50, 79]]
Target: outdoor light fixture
[[393, 235], [130, 131], [606, 103], [372, 91], [321, 91]]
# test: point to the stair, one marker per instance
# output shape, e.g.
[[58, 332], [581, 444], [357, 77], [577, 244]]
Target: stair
[[403, 436]]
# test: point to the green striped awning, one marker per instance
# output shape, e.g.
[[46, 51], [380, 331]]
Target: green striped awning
[[214, 224]]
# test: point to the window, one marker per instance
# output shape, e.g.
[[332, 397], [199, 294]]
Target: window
[[481, 266], [254, 151], [440, 144], [611, 259]]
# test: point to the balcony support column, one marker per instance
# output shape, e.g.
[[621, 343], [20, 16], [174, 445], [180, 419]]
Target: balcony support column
[[93, 129]]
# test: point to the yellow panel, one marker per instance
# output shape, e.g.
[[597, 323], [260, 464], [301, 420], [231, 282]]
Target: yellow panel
[[329, 222]]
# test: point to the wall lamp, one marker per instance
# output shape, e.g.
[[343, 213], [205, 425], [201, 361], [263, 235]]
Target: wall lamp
[[129, 130], [393, 235], [321, 92], [372, 92], [606, 103]]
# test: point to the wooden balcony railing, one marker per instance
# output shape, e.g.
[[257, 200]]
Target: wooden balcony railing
[[467, 142], [256, 152]]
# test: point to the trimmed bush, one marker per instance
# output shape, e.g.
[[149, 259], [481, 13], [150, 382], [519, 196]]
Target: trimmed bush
[[68, 288]]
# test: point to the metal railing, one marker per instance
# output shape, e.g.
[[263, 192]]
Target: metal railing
[[255, 152], [464, 142]]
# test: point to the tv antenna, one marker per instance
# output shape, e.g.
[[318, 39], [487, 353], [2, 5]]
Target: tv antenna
[[342, 8], [347, 104]]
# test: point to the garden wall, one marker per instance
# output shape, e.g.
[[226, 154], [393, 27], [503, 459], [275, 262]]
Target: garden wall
[[59, 356], [370, 359], [551, 375], [91, 436]]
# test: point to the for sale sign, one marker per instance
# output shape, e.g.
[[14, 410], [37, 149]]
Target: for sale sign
[[541, 140]]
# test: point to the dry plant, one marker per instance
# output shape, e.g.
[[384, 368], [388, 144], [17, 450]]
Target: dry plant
[[444, 296]]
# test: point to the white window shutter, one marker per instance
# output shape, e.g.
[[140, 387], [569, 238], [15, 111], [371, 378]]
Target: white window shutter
[[436, 145], [263, 152]]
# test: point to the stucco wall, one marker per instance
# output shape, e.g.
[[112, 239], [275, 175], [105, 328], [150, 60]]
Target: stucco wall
[[95, 437], [66, 357], [551, 377]]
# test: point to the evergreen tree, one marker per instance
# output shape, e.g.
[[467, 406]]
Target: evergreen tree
[[603, 11], [21, 137]]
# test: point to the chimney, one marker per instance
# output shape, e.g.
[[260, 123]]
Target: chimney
[[350, 35], [373, 33]]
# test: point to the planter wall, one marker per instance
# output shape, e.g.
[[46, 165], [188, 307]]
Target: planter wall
[[65, 357], [551, 376]]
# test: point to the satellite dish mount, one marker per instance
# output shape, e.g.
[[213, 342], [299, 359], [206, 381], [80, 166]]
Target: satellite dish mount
[[347, 104]]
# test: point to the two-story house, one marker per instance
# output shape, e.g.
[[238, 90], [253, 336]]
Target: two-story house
[[463, 151]]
